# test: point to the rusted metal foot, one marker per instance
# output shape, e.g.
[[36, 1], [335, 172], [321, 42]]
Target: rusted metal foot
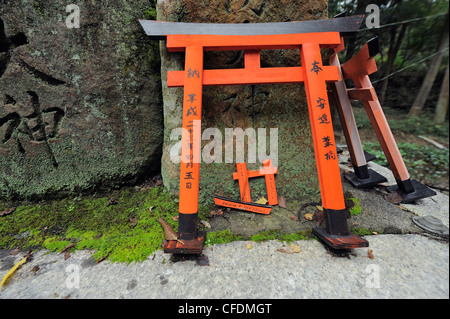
[[185, 246], [411, 190], [340, 241], [336, 234]]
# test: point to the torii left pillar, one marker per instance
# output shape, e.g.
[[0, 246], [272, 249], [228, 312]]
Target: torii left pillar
[[190, 242]]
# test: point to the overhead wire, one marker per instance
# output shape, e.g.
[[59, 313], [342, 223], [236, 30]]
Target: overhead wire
[[403, 22], [413, 64]]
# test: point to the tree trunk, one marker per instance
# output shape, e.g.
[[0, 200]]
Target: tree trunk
[[433, 70], [442, 104], [393, 50]]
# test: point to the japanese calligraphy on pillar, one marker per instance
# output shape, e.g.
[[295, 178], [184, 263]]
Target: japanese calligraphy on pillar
[[323, 118], [189, 142], [191, 126]]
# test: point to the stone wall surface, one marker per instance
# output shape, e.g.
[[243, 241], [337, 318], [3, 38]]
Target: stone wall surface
[[80, 108], [281, 106]]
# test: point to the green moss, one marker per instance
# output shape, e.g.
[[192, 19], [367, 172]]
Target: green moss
[[225, 236], [92, 223], [221, 237], [278, 235], [363, 231], [352, 204], [356, 209]]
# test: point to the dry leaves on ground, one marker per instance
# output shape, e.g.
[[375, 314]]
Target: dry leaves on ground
[[205, 223], [394, 198], [295, 249], [282, 202], [67, 248], [215, 213], [7, 212], [262, 201], [169, 233]]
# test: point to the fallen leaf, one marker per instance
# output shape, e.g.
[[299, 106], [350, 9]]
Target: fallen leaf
[[15, 251], [370, 254], [133, 222], [175, 218], [11, 272], [169, 233], [269, 216], [374, 233], [295, 248], [282, 250], [319, 208], [67, 248], [248, 246], [67, 255], [159, 183], [28, 255], [282, 202], [292, 217], [101, 259], [308, 216], [205, 223], [319, 216], [112, 202], [35, 269], [261, 201], [215, 213], [7, 212], [394, 198]]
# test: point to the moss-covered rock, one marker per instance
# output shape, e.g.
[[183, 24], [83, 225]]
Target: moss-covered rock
[[80, 108]]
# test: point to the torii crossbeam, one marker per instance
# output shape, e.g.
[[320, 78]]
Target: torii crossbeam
[[313, 74]]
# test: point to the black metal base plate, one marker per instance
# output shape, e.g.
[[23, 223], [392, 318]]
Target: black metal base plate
[[185, 247], [374, 179], [340, 242], [420, 191]]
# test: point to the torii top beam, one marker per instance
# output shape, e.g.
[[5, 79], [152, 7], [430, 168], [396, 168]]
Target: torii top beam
[[345, 26]]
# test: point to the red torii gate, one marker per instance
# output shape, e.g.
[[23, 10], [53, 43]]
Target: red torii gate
[[312, 73]]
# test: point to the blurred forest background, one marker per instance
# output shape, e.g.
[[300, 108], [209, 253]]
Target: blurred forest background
[[411, 82]]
